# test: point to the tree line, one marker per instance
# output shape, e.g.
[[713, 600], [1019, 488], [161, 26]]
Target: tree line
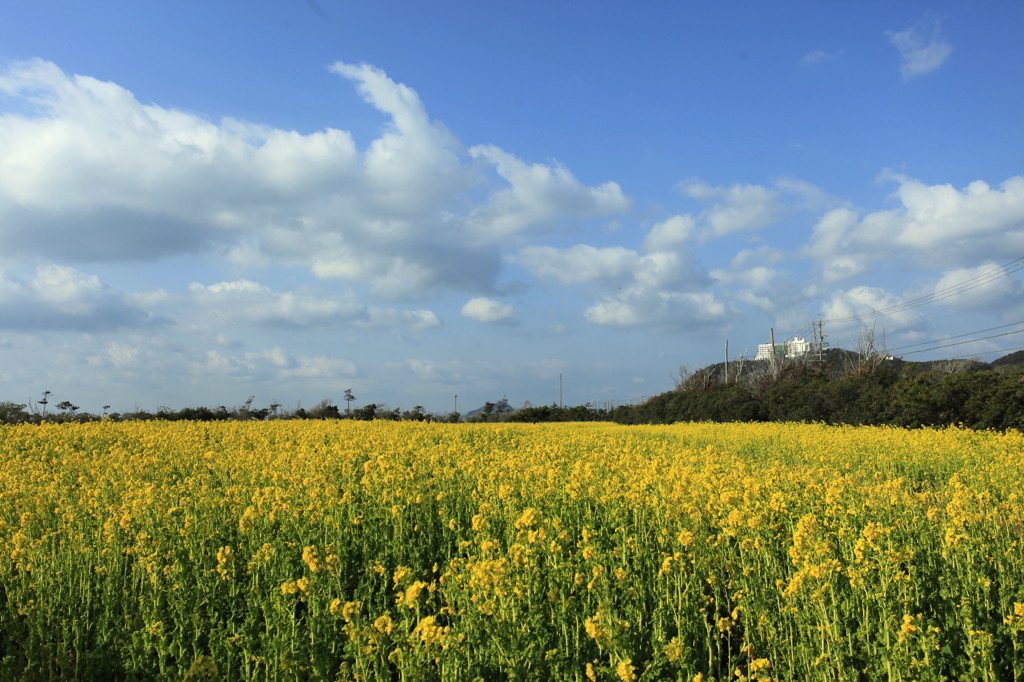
[[29, 413], [847, 388], [842, 387]]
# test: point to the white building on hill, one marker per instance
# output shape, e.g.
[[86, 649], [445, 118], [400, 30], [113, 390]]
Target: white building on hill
[[790, 349]]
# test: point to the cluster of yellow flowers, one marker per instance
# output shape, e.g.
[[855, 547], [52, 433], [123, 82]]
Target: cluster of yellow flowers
[[435, 551]]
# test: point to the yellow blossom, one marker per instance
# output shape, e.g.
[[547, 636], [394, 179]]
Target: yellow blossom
[[626, 670]]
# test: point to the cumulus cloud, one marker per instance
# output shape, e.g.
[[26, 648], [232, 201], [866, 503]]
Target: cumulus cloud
[[608, 267], [977, 286], [62, 298], [487, 310], [644, 307], [921, 47], [319, 367], [93, 174], [760, 286], [736, 208], [937, 224], [145, 360], [629, 289], [247, 302], [753, 278], [861, 305], [415, 165], [580, 264], [739, 208], [389, 318], [89, 173], [538, 195], [765, 255], [272, 363], [670, 234]]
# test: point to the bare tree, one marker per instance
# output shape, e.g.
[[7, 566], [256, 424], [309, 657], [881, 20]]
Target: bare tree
[[956, 365], [741, 362], [697, 381], [764, 374], [871, 353]]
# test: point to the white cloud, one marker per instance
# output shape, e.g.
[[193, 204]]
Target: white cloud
[[936, 224], [758, 278], [390, 318], [754, 279], [218, 363], [859, 306], [538, 195], [921, 47], [608, 267], [91, 174], [818, 57], [62, 298], [670, 234], [454, 373], [247, 302], [830, 245], [96, 175], [320, 367], [659, 289], [744, 208], [976, 286], [274, 363], [415, 165], [665, 270], [642, 307], [765, 255], [276, 356], [976, 217], [487, 310], [736, 208], [444, 372], [805, 196], [580, 264], [117, 355]]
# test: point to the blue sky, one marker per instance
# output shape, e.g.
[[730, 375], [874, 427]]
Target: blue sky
[[200, 202]]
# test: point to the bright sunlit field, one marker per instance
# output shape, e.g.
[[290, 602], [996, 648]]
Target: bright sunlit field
[[383, 550]]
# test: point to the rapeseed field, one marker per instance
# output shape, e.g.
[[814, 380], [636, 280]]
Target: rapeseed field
[[323, 550]]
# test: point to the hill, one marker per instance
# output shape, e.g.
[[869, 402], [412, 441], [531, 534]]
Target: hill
[[845, 387], [1016, 358]]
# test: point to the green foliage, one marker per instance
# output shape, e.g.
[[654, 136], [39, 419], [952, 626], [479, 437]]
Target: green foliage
[[13, 413], [982, 399], [325, 409]]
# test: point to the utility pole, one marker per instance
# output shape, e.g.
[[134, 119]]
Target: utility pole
[[771, 337], [820, 324], [456, 402], [727, 362]]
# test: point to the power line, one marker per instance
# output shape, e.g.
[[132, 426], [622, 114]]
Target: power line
[[966, 285], [958, 307], [1005, 350], [960, 343], [979, 331]]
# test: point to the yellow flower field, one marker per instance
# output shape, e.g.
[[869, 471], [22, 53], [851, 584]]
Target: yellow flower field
[[327, 550]]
